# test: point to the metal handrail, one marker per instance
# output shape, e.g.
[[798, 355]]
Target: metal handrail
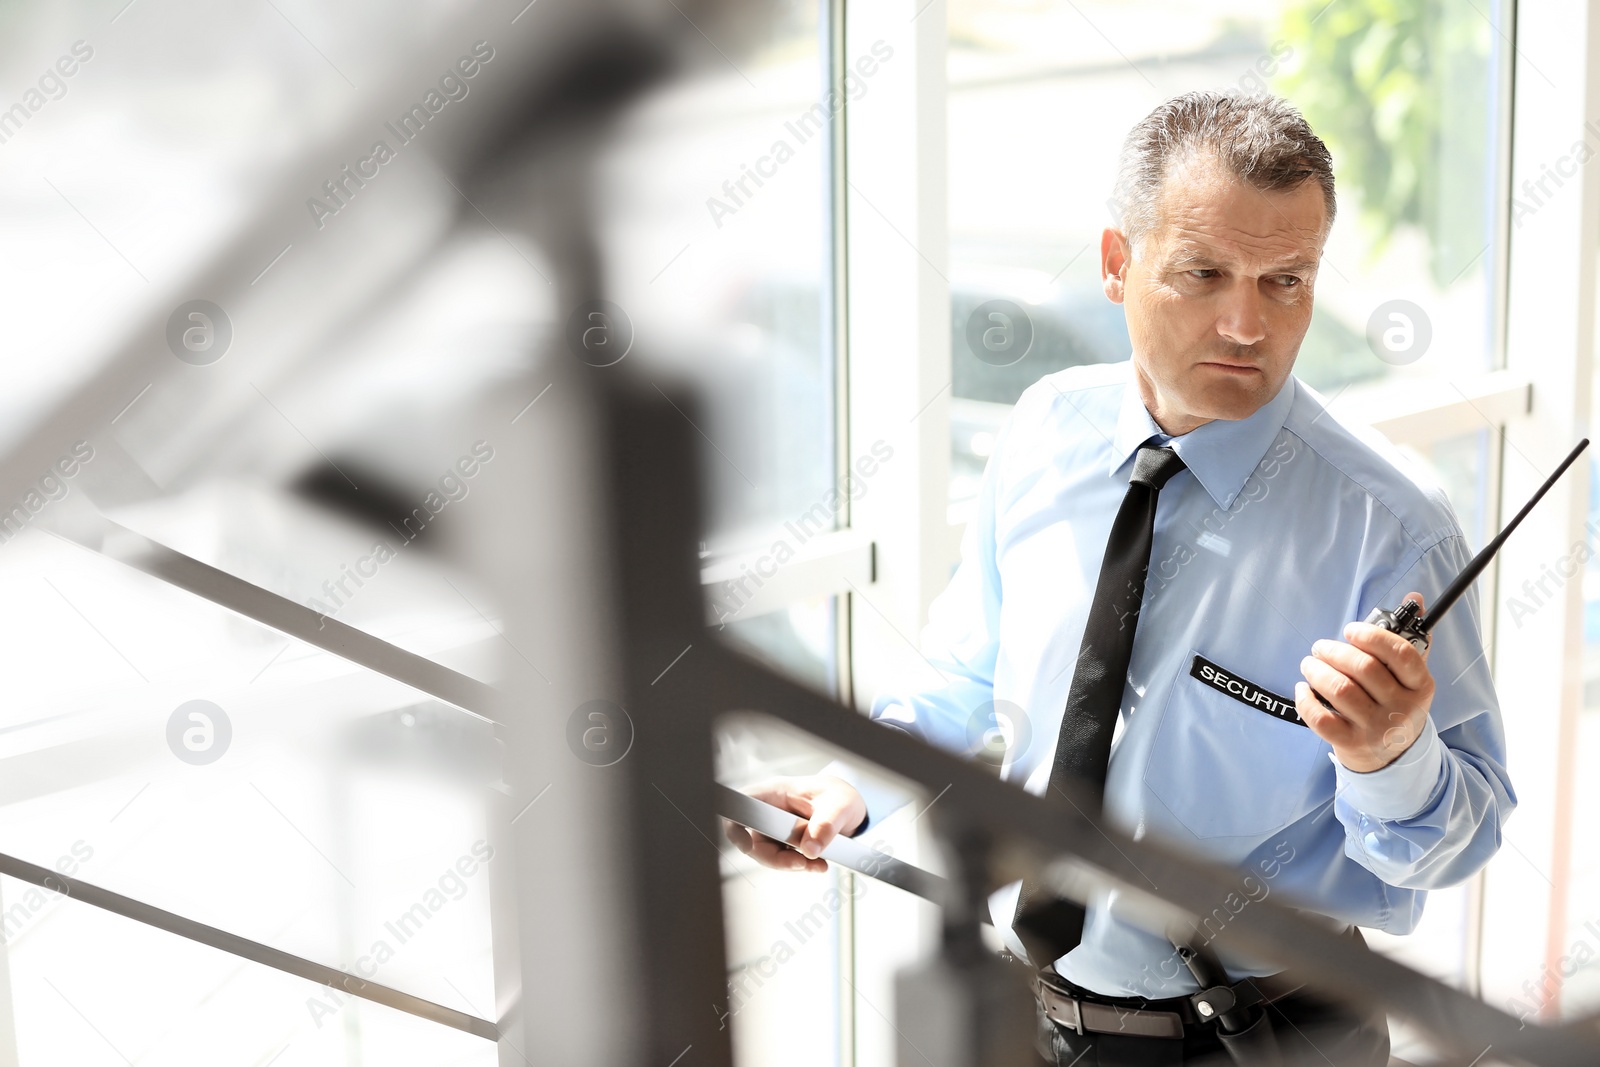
[[780, 825], [244, 948], [117, 542], [1035, 828], [279, 613], [1155, 883]]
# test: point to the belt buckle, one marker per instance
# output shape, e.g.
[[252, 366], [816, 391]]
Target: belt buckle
[[1077, 1014], [1052, 1001]]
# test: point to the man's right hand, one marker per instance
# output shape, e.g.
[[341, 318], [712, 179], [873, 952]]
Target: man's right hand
[[831, 806]]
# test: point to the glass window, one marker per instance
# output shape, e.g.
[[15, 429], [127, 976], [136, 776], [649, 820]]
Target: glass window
[[1440, 946], [719, 219], [1462, 464], [787, 934], [1042, 96], [720, 216], [799, 640], [1578, 993], [785, 953]]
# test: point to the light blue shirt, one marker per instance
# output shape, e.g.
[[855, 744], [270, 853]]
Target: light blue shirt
[[1285, 526]]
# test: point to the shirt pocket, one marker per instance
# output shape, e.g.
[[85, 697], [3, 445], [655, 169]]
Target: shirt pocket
[[1224, 768]]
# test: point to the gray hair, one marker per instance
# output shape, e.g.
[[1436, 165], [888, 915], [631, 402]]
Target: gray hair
[[1258, 137]]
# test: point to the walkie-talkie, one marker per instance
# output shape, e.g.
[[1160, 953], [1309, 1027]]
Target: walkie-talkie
[[1414, 627]]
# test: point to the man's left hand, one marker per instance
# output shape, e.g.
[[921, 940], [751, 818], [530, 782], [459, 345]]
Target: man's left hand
[[1380, 688]]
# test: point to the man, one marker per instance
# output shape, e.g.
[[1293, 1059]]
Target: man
[[1274, 526]]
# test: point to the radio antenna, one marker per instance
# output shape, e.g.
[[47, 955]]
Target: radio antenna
[[1481, 560]]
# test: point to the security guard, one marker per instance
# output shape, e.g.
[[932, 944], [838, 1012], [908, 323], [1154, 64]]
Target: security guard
[[1167, 553]]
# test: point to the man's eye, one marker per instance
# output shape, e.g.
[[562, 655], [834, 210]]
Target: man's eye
[[1203, 272], [1288, 281]]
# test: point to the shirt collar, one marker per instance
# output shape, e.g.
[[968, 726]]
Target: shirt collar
[[1221, 454]]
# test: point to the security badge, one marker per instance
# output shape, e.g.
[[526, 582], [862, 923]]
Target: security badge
[[1244, 691]]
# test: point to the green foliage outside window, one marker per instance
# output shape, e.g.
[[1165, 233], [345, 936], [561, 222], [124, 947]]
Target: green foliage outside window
[[1401, 90]]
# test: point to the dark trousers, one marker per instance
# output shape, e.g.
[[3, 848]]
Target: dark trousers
[[1310, 1032]]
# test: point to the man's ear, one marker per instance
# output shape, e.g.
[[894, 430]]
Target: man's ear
[[1114, 256]]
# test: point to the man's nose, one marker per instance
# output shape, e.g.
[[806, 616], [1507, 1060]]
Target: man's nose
[[1240, 317]]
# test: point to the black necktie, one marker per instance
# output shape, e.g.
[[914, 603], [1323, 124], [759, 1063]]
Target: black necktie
[[1048, 926]]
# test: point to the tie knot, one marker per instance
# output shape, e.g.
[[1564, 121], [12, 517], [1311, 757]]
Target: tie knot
[[1154, 466]]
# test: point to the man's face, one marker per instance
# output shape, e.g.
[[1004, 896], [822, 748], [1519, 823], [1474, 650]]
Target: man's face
[[1217, 293]]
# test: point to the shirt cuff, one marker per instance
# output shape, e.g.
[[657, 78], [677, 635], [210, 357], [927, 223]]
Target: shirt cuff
[[1400, 789], [882, 800]]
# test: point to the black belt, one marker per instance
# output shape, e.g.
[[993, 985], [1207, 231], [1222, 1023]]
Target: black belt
[[1083, 1010]]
